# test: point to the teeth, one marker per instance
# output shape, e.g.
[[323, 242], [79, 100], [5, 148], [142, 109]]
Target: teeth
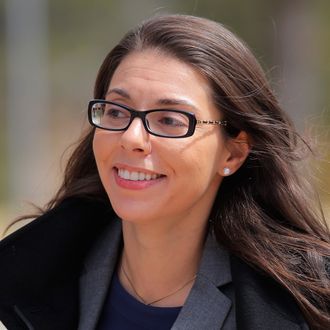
[[126, 174], [136, 176], [141, 176]]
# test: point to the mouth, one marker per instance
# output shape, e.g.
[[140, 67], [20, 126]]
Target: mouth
[[137, 175]]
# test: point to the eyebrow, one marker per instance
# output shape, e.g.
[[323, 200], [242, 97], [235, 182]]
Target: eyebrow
[[174, 102], [118, 91], [163, 101]]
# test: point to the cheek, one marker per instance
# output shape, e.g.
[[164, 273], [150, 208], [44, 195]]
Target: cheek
[[98, 149], [204, 158], [102, 146]]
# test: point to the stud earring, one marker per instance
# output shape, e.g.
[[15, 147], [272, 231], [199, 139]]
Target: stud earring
[[226, 171]]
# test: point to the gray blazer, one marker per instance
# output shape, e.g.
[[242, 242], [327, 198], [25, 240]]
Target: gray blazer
[[55, 273], [206, 307], [211, 302]]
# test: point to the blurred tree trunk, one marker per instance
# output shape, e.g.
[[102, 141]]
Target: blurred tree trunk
[[297, 57], [27, 102]]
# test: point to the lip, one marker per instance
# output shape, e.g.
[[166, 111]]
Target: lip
[[135, 185]]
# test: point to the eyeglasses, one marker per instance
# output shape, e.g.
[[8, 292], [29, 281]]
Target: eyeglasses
[[167, 123]]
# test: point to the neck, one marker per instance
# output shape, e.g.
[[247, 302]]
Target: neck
[[158, 263]]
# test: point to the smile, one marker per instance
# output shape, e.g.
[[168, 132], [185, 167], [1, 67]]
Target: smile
[[137, 176]]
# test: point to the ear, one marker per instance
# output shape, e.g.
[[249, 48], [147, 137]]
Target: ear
[[238, 150]]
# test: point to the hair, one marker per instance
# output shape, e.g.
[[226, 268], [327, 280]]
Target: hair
[[262, 213]]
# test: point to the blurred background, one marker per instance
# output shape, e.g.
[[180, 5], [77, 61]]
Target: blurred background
[[50, 51]]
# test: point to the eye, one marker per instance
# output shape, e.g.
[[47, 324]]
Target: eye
[[170, 121], [114, 112]]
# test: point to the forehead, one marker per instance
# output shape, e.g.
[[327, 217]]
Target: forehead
[[157, 60], [150, 74]]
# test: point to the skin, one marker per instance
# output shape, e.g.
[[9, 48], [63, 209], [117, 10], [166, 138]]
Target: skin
[[164, 220]]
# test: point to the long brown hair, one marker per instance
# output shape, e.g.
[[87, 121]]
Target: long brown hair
[[262, 213]]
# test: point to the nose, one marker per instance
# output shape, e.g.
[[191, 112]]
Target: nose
[[136, 138]]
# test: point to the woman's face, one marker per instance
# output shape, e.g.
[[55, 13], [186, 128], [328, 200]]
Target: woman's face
[[150, 178]]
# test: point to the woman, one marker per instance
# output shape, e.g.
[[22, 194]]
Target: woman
[[208, 225]]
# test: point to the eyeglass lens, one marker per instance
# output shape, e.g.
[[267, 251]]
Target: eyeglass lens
[[162, 122]]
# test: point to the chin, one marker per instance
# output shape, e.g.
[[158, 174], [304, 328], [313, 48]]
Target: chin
[[133, 215], [134, 208]]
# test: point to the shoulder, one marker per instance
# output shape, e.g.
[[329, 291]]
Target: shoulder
[[261, 301], [63, 219], [43, 262], [57, 240]]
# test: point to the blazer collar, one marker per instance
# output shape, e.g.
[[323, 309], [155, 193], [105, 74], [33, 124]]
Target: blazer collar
[[206, 306]]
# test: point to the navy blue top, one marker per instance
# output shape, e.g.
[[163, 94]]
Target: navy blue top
[[123, 311]]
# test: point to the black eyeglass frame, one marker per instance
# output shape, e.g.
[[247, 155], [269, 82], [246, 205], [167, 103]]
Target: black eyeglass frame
[[142, 115]]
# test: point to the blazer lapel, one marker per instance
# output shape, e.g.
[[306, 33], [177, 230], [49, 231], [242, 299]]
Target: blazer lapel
[[206, 306], [99, 267]]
